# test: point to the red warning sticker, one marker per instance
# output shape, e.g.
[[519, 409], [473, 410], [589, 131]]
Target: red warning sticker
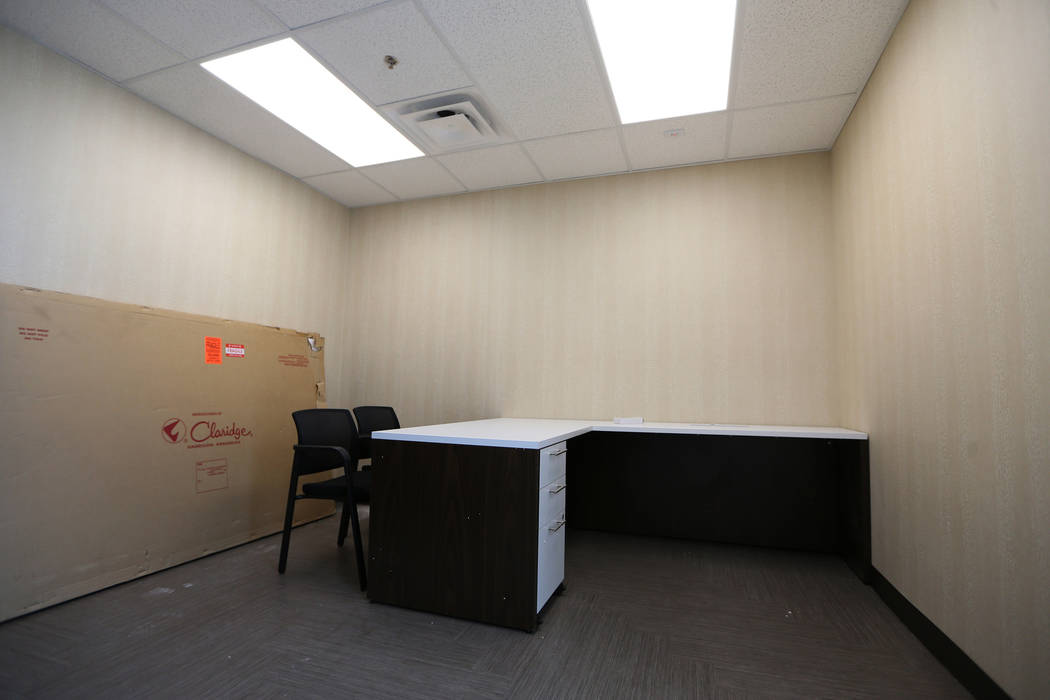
[[234, 350], [212, 351]]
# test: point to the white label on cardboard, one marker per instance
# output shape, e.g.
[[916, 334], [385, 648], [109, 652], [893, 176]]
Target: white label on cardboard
[[212, 475], [234, 350]]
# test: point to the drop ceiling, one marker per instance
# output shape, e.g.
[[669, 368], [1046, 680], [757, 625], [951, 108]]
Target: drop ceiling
[[532, 66]]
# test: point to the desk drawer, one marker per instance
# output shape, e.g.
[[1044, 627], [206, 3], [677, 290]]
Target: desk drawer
[[550, 570], [552, 500], [552, 462]]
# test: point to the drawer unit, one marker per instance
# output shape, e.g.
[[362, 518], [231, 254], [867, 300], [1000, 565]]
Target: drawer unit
[[552, 500], [550, 559], [550, 571], [552, 462]]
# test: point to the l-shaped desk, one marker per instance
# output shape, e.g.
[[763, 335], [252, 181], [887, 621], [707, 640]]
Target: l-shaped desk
[[468, 519]]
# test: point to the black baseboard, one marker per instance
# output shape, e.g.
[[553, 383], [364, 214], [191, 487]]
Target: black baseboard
[[965, 670]]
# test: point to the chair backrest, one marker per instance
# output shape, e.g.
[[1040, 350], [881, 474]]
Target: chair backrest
[[370, 418], [324, 426]]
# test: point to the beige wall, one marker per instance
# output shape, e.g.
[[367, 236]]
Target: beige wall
[[104, 195], [696, 294], [941, 189]]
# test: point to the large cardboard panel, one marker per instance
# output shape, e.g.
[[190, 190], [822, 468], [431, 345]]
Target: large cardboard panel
[[135, 439]]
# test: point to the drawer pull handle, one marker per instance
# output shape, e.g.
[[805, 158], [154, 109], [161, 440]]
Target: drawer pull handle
[[557, 526], [558, 452], [558, 488]]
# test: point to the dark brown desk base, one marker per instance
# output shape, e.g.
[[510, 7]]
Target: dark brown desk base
[[453, 527], [452, 530], [796, 493]]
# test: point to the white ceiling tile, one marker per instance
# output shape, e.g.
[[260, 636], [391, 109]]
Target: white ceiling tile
[[531, 66], [355, 47], [578, 155], [191, 93], [350, 188], [803, 126], [491, 167], [799, 50], [93, 35], [534, 61], [666, 142], [417, 177], [297, 13], [199, 27]]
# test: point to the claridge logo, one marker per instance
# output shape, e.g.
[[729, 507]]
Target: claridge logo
[[173, 430], [203, 433]]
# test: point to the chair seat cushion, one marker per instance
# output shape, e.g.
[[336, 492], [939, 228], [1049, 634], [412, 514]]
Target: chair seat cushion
[[336, 488]]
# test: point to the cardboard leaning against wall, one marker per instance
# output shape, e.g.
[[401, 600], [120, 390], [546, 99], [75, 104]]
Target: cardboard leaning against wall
[[135, 439]]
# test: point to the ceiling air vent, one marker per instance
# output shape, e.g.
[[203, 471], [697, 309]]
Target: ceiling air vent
[[454, 123]]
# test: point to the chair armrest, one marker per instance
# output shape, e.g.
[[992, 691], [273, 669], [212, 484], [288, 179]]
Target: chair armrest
[[320, 452]]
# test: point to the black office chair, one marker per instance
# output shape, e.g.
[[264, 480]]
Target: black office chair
[[371, 418], [328, 440]]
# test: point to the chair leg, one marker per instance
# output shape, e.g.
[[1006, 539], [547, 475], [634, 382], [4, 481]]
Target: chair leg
[[350, 511], [287, 534], [343, 521], [362, 577]]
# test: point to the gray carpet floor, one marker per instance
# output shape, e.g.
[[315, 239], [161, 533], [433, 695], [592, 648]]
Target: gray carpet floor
[[640, 618]]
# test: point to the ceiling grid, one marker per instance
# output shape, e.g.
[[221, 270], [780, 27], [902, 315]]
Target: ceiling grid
[[533, 68]]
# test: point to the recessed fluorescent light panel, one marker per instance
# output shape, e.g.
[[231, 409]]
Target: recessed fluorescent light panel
[[666, 58], [286, 80]]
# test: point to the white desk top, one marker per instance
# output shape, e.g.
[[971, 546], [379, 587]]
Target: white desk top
[[537, 433]]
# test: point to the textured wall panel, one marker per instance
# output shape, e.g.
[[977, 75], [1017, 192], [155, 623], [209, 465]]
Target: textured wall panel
[[104, 195], [696, 294], [940, 183]]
